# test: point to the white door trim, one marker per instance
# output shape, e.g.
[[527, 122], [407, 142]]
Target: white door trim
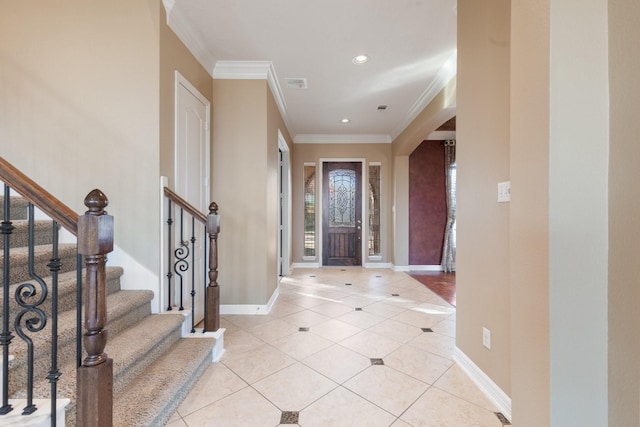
[[284, 183]]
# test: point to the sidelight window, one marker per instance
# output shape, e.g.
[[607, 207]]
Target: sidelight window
[[374, 209], [309, 210]]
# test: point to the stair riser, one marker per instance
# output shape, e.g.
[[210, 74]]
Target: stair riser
[[17, 205], [66, 293], [19, 237], [18, 271]]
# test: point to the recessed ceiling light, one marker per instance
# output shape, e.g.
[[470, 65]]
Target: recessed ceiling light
[[344, 121], [360, 59]]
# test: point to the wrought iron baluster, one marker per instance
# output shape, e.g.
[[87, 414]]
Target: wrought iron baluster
[[193, 274], [169, 259], [6, 228], [24, 295], [54, 374], [181, 254]]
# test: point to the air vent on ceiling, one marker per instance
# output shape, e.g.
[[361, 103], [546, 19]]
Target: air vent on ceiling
[[382, 107], [296, 83]]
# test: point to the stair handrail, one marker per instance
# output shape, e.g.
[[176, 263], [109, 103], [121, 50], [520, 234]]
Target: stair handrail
[[175, 198], [212, 227], [39, 197]]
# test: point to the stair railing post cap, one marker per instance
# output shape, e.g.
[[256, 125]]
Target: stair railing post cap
[[96, 201]]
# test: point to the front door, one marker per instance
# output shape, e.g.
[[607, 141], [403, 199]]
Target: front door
[[341, 213]]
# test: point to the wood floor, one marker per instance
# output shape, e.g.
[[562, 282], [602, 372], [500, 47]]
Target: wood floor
[[443, 284]]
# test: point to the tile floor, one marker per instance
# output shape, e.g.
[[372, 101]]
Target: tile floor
[[340, 347]]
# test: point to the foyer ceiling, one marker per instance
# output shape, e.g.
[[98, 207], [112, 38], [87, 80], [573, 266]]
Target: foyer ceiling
[[410, 44]]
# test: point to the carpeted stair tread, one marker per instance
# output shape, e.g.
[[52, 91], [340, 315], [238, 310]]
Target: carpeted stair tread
[[120, 305], [127, 348], [42, 233], [156, 393], [42, 254], [138, 346]]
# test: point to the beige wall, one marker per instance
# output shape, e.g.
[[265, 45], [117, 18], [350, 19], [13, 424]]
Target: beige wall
[[175, 56], [80, 95], [245, 149], [482, 158], [529, 212], [313, 153], [624, 213]]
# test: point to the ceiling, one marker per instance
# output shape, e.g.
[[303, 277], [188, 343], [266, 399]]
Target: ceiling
[[411, 46]]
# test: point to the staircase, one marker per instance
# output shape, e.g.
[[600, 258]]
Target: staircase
[[153, 366]]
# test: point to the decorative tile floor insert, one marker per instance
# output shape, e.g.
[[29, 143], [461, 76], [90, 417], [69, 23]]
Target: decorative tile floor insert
[[377, 362], [289, 417], [303, 329], [358, 308], [426, 329]]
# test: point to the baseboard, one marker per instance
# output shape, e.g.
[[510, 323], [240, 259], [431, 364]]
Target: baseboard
[[400, 267], [250, 308], [484, 383], [378, 265], [304, 265], [425, 268]]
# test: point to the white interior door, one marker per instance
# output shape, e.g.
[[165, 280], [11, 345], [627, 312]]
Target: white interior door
[[192, 184]]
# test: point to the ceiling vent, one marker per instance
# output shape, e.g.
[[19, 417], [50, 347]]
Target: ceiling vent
[[382, 107], [298, 83]]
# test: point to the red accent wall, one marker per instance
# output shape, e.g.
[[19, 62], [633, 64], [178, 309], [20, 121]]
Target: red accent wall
[[427, 203]]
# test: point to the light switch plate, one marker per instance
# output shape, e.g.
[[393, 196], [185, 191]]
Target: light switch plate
[[504, 191], [486, 338]]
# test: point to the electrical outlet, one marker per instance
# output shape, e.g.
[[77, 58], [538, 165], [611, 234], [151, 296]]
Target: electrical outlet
[[486, 338]]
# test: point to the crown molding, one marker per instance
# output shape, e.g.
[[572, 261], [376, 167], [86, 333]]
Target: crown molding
[[441, 135], [445, 74], [183, 29], [254, 70], [341, 139]]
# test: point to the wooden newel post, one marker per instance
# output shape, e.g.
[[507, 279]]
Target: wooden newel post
[[95, 376], [212, 310]]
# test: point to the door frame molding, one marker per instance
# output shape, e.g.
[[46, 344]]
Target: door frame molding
[[363, 190], [284, 182]]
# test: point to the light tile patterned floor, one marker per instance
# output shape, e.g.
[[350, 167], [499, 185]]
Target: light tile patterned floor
[[273, 372]]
